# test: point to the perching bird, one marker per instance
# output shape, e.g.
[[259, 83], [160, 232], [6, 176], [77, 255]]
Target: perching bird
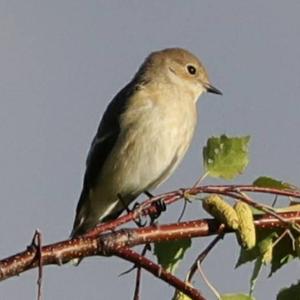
[[143, 135]]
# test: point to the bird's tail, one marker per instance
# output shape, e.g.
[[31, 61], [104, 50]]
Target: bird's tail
[[79, 221], [80, 225]]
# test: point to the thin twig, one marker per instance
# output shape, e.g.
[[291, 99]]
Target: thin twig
[[204, 254], [185, 202], [288, 233], [37, 244], [62, 252], [138, 276], [208, 283], [269, 210], [91, 243], [274, 201], [238, 194], [170, 197], [157, 271], [136, 295], [200, 179]]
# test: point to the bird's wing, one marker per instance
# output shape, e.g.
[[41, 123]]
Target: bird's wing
[[104, 141]]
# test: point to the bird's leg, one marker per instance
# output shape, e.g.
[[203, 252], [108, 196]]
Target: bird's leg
[[137, 220], [160, 206], [123, 203], [148, 194]]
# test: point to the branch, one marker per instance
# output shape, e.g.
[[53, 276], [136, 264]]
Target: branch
[[158, 271], [203, 254], [147, 207], [106, 245], [99, 241]]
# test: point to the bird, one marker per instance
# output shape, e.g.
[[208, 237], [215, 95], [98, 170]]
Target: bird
[[143, 135]]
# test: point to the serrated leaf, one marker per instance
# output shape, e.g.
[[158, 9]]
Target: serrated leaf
[[278, 255], [257, 268], [289, 293], [170, 253], [247, 255], [264, 238], [226, 157], [269, 249], [235, 297], [283, 253], [269, 182], [263, 254]]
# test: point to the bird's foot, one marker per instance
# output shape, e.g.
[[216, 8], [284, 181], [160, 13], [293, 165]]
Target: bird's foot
[[160, 206]]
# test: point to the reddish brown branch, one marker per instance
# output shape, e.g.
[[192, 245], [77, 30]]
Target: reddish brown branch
[[97, 242], [147, 208], [137, 288], [37, 242], [204, 254], [138, 277], [157, 271], [62, 252]]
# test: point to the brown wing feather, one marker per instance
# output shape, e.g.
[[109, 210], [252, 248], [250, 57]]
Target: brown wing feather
[[105, 139]]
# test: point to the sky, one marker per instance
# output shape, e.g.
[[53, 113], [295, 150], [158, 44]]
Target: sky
[[63, 61]]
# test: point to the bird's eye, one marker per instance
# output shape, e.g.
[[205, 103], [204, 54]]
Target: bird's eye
[[191, 69]]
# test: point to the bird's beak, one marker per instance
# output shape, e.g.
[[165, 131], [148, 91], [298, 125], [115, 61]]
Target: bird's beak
[[211, 89]]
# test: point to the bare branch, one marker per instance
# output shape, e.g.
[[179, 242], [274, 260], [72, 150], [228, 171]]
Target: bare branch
[[158, 271], [101, 241], [64, 251], [147, 207]]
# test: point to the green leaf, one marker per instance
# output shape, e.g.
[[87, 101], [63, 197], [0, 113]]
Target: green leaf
[[269, 182], [283, 253], [290, 293], [264, 239], [280, 254], [180, 296], [170, 253], [247, 255], [257, 268], [271, 248], [226, 157], [236, 297]]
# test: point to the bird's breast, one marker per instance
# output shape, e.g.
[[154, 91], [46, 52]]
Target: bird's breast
[[153, 140]]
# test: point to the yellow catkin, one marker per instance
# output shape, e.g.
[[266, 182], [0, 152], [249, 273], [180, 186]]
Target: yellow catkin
[[221, 210], [246, 234]]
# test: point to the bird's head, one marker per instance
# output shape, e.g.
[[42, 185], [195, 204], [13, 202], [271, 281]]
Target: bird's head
[[179, 67]]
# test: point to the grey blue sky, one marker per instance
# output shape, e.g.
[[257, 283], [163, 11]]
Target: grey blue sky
[[61, 62]]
